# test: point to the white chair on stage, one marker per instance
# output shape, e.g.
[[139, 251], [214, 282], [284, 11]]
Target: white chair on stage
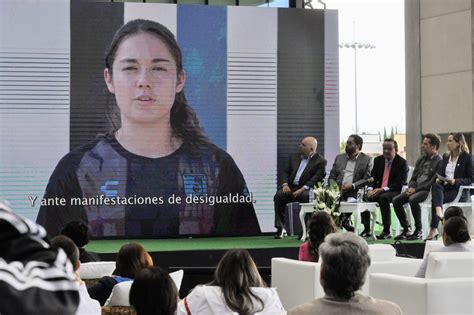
[[297, 282], [448, 287]]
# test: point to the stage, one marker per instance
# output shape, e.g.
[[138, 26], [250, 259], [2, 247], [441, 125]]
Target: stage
[[199, 256]]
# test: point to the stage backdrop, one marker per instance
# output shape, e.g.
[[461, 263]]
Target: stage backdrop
[[259, 79]]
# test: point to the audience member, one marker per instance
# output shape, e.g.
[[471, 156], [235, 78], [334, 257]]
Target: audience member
[[453, 211], [79, 233], [305, 169], [345, 259], [419, 187], [455, 171], [320, 225], [237, 288], [87, 306], [350, 171], [456, 238], [34, 278], [390, 174], [153, 292], [131, 258]]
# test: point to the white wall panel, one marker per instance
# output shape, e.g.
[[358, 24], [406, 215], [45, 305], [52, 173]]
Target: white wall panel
[[252, 102], [34, 97]]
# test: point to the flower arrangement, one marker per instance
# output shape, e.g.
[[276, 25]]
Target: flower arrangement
[[327, 199]]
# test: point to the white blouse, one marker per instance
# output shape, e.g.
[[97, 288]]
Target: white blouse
[[450, 167]]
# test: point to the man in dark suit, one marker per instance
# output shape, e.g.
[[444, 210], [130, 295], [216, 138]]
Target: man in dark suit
[[304, 170], [390, 174], [350, 171]]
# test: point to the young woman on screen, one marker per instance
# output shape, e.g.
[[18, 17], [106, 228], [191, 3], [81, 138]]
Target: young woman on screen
[[154, 173]]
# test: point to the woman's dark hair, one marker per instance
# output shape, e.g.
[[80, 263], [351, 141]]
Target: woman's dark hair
[[131, 258], [78, 232], [68, 246], [453, 211], [153, 292], [236, 273], [459, 138], [183, 119], [457, 230], [320, 225]]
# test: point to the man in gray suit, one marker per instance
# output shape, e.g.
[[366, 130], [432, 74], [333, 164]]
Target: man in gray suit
[[350, 171]]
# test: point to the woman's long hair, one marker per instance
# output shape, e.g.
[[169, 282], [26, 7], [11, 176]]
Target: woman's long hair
[[459, 138], [131, 258], [236, 273], [183, 119], [320, 225]]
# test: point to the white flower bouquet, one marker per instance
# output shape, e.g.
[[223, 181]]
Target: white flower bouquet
[[327, 199]]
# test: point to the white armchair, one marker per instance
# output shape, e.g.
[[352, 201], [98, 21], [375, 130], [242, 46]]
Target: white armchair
[[96, 270], [297, 282], [447, 289]]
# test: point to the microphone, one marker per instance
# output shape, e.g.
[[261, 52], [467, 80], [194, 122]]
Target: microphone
[[363, 182]]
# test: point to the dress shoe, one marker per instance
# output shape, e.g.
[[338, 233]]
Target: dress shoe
[[416, 235], [433, 235], [403, 235], [349, 228], [281, 233], [384, 235], [365, 233]]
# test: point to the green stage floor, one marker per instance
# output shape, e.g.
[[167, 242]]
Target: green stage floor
[[215, 243]]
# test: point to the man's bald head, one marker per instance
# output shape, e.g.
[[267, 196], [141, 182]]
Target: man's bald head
[[308, 146]]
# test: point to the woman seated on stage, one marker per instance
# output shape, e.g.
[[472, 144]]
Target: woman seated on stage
[[456, 238], [131, 258], [154, 292], [320, 225], [456, 170], [237, 288]]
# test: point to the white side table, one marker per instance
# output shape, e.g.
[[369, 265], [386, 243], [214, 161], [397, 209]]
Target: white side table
[[356, 208]]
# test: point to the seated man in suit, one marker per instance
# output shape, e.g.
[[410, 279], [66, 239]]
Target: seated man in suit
[[350, 171], [419, 187], [344, 263], [304, 170], [390, 174]]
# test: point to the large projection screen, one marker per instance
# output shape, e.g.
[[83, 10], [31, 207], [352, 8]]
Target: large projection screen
[[256, 77]]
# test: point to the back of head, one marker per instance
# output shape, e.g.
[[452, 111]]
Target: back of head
[[345, 259], [453, 211], [320, 225], [153, 292], [236, 273], [68, 246], [78, 232], [457, 231], [131, 258]]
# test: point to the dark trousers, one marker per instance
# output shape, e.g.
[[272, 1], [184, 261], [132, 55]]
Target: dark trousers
[[383, 199], [440, 194], [281, 199], [414, 201]]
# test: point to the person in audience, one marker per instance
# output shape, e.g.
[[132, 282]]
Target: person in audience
[[87, 306], [390, 174], [350, 171], [345, 259], [304, 170], [320, 225], [237, 288], [456, 238], [453, 211], [79, 233], [153, 292], [131, 258], [34, 278], [455, 171], [419, 187], [154, 148]]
